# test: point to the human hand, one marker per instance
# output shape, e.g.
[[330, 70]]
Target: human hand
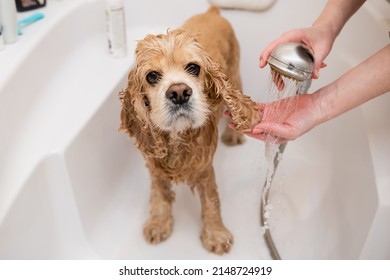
[[286, 119], [319, 40]]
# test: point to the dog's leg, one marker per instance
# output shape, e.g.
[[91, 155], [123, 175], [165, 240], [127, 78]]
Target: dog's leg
[[231, 137], [159, 225], [215, 237]]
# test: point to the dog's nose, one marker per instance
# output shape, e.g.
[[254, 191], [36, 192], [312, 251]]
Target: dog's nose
[[179, 93]]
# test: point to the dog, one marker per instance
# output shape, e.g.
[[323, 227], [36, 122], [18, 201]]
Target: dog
[[175, 96]]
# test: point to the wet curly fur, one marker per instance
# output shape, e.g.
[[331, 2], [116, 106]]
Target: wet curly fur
[[175, 96]]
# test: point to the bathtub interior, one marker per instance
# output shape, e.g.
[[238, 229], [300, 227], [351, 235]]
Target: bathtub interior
[[334, 203], [74, 187]]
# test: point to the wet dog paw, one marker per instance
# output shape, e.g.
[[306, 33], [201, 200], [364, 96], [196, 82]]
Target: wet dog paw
[[218, 241], [158, 230]]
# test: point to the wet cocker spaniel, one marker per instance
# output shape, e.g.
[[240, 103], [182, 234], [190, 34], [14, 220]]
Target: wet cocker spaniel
[[175, 96]]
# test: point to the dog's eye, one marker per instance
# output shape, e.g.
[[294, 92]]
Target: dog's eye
[[193, 69], [153, 77]]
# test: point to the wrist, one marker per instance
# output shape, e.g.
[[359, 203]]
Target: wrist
[[328, 31], [324, 104]]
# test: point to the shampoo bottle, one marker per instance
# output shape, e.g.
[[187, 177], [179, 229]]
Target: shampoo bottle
[[9, 21], [116, 28]]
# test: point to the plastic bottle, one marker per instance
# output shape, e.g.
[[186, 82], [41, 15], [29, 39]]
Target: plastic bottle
[[116, 28], [9, 21], [1, 37]]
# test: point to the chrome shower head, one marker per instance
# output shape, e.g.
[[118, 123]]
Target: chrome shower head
[[293, 60]]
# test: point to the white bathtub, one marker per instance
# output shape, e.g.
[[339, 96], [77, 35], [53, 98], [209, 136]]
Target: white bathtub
[[71, 186]]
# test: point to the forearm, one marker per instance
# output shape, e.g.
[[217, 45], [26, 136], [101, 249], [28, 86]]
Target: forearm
[[368, 80], [335, 14]]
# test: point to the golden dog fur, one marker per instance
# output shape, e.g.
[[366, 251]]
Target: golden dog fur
[[179, 144]]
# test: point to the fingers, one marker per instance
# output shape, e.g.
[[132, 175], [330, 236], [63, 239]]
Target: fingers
[[272, 134], [266, 53], [280, 130], [227, 114], [317, 67]]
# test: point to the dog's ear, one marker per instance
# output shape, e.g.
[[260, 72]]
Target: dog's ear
[[135, 119], [244, 111]]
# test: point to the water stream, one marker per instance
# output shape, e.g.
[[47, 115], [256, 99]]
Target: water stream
[[281, 98]]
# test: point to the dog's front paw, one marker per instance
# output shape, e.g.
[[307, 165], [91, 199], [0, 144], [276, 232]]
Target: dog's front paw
[[158, 230], [217, 240], [231, 137]]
